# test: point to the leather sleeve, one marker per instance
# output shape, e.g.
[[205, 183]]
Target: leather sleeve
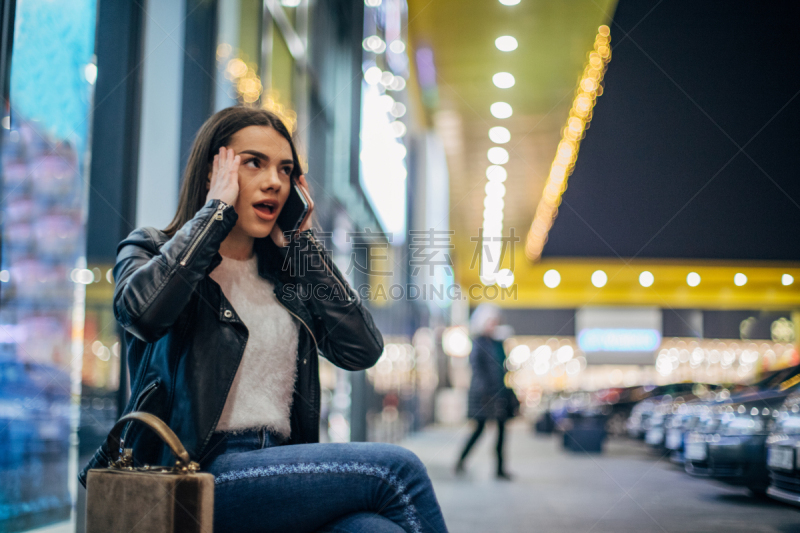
[[154, 285], [349, 338]]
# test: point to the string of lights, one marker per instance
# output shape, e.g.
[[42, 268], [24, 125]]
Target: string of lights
[[249, 88], [580, 115]]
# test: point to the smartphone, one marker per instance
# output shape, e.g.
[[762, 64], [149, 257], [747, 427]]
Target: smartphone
[[295, 211]]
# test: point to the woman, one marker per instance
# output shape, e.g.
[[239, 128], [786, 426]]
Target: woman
[[224, 325], [489, 398]]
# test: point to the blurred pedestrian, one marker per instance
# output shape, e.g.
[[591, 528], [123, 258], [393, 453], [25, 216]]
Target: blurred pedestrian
[[489, 397]]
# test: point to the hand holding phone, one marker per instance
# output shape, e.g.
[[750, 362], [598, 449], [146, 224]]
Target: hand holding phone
[[295, 214]]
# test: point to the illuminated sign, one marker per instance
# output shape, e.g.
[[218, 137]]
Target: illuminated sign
[[618, 340]]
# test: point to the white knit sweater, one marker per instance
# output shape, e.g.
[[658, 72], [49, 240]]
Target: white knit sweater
[[261, 394]]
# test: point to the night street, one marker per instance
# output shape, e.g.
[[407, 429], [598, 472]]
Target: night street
[[626, 489]]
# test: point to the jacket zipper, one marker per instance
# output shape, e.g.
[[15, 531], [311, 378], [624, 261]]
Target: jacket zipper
[[145, 393], [313, 338], [139, 401], [217, 216], [302, 322], [330, 271]]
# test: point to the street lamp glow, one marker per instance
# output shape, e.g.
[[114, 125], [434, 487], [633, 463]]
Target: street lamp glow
[[499, 135], [509, 2], [787, 279], [501, 110], [552, 278], [739, 279], [693, 279], [646, 279], [506, 43], [503, 80], [599, 278]]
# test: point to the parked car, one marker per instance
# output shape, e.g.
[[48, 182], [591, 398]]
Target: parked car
[[686, 419], [729, 442], [640, 416], [689, 415], [640, 420], [783, 452], [617, 404], [670, 408], [565, 404]]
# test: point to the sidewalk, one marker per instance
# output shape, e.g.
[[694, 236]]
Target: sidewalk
[[627, 489]]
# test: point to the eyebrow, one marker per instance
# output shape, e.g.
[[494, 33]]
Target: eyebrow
[[265, 157]]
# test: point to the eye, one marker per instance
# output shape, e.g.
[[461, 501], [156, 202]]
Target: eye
[[287, 170], [253, 163]]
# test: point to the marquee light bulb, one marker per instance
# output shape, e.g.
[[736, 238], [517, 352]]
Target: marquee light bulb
[[552, 278], [599, 278], [496, 173], [497, 155], [501, 110], [499, 135], [506, 43], [646, 279], [503, 80]]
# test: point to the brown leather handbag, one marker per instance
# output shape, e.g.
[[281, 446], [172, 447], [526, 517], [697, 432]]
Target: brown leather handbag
[[149, 499]]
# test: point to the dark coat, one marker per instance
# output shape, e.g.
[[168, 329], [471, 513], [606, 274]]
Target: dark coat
[[489, 398], [185, 340]]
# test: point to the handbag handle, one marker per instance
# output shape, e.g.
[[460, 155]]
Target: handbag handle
[[158, 426]]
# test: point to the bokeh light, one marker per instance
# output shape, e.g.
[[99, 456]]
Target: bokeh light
[[646, 279], [552, 278], [503, 80], [599, 278], [497, 155], [501, 110], [496, 173], [499, 135], [506, 43]]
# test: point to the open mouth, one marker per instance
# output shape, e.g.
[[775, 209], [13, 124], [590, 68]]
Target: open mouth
[[267, 209]]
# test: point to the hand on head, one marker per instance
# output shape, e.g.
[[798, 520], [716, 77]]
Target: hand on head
[[224, 179]]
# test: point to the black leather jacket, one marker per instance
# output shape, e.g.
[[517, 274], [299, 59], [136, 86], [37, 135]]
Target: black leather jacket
[[185, 340]]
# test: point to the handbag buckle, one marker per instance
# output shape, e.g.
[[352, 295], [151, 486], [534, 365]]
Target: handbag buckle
[[125, 460]]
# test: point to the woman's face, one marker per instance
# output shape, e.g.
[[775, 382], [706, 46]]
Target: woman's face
[[264, 178]]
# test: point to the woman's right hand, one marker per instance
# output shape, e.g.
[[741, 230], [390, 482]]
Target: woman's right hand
[[224, 181]]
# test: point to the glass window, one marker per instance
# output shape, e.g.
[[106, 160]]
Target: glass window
[[43, 271]]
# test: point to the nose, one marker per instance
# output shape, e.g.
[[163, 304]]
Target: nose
[[271, 179]]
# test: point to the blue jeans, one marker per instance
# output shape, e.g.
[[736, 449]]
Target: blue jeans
[[336, 488]]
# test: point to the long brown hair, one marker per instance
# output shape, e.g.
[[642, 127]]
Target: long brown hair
[[214, 134]]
